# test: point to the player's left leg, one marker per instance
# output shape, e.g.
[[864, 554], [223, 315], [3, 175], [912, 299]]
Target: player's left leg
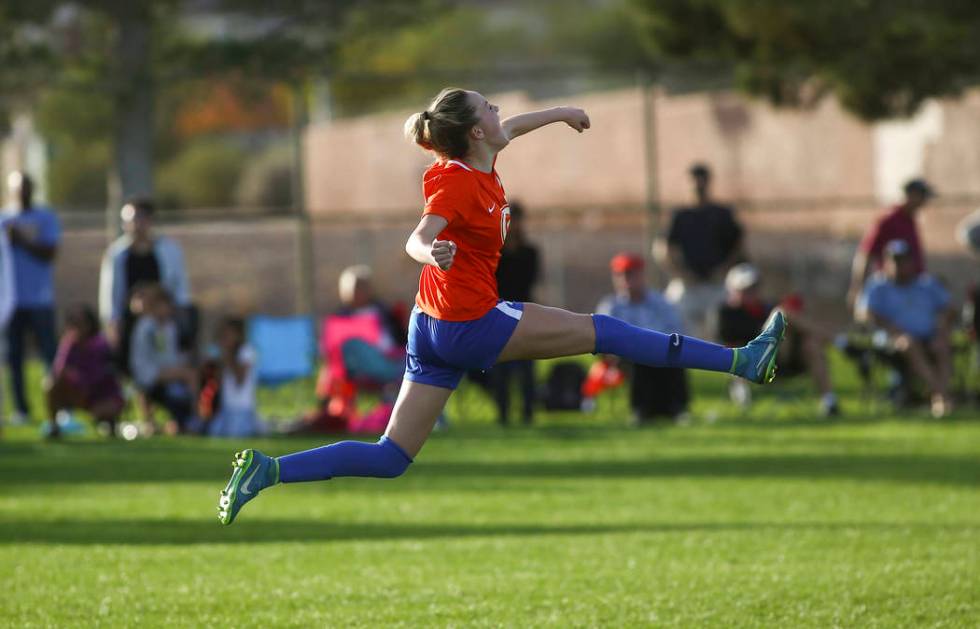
[[415, 412], [545, 332]]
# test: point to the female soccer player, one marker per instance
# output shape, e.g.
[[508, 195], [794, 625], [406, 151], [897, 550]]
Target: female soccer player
[[458, 322]]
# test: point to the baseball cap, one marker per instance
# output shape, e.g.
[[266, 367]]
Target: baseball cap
[[624, 262], [921, 186], [741, 276], [897, 248]]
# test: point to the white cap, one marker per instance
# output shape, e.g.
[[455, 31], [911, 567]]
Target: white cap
[[741, 276]]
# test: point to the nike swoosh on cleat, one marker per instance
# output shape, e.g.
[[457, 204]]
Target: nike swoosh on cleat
[[248, 480], [762, 361]]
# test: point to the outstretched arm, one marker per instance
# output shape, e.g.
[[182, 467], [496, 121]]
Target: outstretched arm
[[425, 249], [525, 123]]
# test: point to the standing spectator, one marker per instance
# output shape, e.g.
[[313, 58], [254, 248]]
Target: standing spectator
[[34, 233], [914, 309], [138, 257], [83, 375], [703, 242], [237, 414], [804, 350], [899, 223], [517, 273], [158, 368], [6, 301], [654, 391]]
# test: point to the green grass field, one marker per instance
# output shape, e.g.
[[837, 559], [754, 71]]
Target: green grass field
[[773, 518]]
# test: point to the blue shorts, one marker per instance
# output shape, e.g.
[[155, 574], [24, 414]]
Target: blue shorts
[[441, 352]]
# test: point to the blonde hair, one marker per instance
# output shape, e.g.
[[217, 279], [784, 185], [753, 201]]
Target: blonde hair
[[350, 278], [444, 127]]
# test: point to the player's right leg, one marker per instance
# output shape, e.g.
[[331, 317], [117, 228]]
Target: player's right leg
[[415, 412], [545, 332]]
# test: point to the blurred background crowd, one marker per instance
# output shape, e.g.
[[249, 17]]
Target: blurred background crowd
[[209, 196]]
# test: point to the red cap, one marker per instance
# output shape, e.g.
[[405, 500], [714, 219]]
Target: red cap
[[625, 262]]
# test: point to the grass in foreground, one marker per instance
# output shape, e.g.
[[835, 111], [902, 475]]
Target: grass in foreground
[[770, 519]]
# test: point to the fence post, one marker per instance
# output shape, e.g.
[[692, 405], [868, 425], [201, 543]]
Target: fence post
[[305, 280], [652, 193]]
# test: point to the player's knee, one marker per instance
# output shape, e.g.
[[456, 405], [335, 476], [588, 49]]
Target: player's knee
[[396, 460]]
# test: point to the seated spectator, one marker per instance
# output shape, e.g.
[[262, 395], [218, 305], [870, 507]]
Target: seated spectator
[[236, 411], [83, 375], [382, 361], [745, 312], [915, 311], [654, 391], [159, 370]]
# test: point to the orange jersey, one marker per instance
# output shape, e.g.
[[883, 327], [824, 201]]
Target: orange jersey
[[475, 207]]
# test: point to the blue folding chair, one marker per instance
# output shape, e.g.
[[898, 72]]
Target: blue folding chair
[[286, 348]]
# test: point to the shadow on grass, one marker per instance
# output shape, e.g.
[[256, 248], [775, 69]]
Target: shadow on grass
[[144, 532], [25, 465]]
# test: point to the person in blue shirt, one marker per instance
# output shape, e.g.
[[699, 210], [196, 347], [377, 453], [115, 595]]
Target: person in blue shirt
[[34, 233], [915, 310], [655, 392]]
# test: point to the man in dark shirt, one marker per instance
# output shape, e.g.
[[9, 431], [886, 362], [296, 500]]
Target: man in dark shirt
[[516, 275], [702, 243]]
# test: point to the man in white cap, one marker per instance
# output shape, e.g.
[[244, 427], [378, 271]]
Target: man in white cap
[[743, 315]]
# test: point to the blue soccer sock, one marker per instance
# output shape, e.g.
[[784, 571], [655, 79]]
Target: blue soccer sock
[[656, 349], [384, 459]]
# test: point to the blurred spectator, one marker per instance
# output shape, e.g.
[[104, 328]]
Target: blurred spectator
[[654, 391], [744, 313], [384, 360], [915, 311], [237, 413], [703, 242], [899, 223], [516, 275], [138, 257], [83, 375], [6, 302], [968, 232], [158, 368], [34, 233]]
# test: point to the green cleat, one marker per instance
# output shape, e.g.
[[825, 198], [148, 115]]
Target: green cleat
[[756, 361], [253, 472]]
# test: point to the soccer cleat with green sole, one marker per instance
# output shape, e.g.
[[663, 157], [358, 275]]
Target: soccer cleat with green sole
[[253, 472]]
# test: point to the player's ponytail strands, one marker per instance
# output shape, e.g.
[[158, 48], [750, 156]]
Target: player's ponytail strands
[[384, 459], [656, 349], [445, 126]]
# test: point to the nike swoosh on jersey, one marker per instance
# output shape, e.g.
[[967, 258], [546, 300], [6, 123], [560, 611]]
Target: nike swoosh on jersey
[[492, 208]]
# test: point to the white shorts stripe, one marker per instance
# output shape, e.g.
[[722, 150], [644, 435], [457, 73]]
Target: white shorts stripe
[[506, 308]]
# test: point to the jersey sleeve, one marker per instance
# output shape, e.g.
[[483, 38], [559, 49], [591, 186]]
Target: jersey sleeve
[[446, 199]]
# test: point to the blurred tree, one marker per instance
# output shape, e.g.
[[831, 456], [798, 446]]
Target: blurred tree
[[881, 58], [121, 50]]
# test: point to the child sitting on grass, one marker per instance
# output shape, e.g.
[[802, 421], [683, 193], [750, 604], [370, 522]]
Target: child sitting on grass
[[83, 375]]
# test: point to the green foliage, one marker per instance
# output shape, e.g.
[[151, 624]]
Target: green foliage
[[267, 179], [204, 175], [881, 57]]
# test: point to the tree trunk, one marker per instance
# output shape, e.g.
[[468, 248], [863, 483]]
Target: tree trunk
[[134, 95]]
